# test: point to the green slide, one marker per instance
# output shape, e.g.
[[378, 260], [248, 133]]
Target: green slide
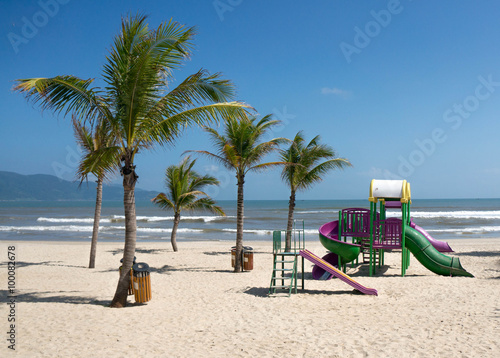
[[431, 258], [328, 236]]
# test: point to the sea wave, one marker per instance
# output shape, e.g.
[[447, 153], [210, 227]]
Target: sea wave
[[80, 228], [315, 211], [121, 218], [208, 218], [306, 231], [71, 220], [459, 214], [251, 231], [168, 230], [311, 232], [489, 215], [466, 230], [74, 228]]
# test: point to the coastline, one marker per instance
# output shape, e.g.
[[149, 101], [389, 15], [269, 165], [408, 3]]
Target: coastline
[[443, 219], [199, 306]]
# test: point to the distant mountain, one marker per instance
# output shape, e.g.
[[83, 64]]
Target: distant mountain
[[15, 186]]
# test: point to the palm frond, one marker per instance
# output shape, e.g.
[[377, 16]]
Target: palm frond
[[220, 159], [64, 94], [103, 162], [265, 166], [197, 89], [316, 174], [208, 204], [163, 201], [185, 186], [83, 136], [305, 165]]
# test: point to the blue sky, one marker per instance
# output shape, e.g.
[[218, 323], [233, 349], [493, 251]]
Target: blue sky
[[403, 89]]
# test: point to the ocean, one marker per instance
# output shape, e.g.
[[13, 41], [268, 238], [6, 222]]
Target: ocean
[[72, 221]]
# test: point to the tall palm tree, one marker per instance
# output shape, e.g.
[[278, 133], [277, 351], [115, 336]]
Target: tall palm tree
[[184, 188], [305, 167], [240, 149], [138, 105], [92, 140]]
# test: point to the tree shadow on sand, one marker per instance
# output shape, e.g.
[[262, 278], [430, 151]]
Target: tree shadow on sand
[[42, 263], [495, 271], [217, 253], [166, 269], [478, 253], [52, 297], [59, 297], [141, 251]]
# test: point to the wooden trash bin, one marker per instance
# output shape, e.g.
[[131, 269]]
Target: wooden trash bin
[[233, 256], [247, 258], [130, 287], [142, 282]]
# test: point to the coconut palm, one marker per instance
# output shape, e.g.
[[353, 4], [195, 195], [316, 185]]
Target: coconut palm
[[139, 107], [305, 167], [184, 188], [91, 141], [239, 149]]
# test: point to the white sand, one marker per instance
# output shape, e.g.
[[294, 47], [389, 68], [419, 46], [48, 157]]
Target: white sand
[[200, 308]]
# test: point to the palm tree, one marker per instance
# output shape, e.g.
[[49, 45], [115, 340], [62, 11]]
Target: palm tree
[[184, 186], [137, 105], [304, 168], [239, 149], [91, 142]]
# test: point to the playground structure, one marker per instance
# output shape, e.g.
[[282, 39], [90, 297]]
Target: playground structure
[[370, 233], [286, 264]]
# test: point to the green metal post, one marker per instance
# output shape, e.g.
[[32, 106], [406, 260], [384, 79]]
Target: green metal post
[[341, 223], [409, 223], [403, 246], [373, 211]]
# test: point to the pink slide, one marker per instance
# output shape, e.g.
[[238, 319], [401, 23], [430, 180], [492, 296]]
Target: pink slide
[[441, 246], [342, 276]]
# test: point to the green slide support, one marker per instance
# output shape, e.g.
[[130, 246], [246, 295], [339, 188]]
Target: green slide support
[[431, 258]]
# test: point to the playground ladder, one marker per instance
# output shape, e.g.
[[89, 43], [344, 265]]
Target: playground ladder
[[284, 278], [365, 248], [285, 262]]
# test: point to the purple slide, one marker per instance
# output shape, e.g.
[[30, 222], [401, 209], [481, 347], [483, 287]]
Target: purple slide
[[441, 246]]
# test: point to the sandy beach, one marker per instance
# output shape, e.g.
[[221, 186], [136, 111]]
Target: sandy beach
[[199, 307]]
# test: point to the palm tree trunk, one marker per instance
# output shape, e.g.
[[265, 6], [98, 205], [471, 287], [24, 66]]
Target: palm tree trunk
[[289, 224], [177, 218], [239, 224], [129, 180], [97, 218]]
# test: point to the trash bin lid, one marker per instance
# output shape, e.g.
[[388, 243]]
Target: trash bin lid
[[247, 248], [141, 267], [121, 260]]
